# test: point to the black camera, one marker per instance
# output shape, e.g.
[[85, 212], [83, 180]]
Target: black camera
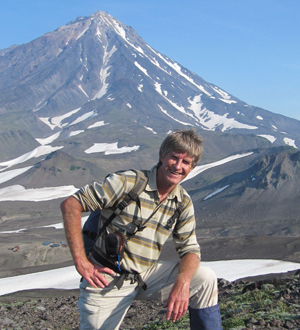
[[114, 245]]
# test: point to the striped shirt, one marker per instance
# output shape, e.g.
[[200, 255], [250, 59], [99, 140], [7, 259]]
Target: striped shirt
[[143, 249]]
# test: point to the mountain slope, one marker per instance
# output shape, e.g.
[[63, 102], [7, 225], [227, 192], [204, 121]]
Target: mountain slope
[[97, 68], [93, 97], [260, 200]]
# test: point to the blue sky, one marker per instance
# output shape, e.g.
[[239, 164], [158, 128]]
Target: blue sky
[[249, 48]]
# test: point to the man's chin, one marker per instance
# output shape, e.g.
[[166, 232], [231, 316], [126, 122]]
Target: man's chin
[[175, 179]]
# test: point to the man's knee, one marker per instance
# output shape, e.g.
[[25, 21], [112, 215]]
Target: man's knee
[[205, 275], [204, 288]]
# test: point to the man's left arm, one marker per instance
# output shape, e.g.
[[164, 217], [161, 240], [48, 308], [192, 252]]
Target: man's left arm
[[178, 300], [185, 240]]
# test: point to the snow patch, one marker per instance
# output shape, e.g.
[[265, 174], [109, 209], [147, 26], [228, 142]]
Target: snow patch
[[178, 121], [110, 148], [104, 72], [74, 133], [141, 68], [49, 139], [40, 105], [83, 91], [177, 68], [196, 106], [20, 193], [176, 106], [85, 116], [210, 121], [84, 31], [201, 168], [6, 176], [216, 192], [290, 142], [225, 96], [67, 278], [37, 152], [150, 129], [57, 121], [98, 124], [228, 101], [271, 138]]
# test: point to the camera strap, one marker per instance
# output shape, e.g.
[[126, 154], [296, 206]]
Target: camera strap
[[132, 196]]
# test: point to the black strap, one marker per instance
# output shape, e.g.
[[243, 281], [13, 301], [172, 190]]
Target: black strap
[[125, 275], [174, 217], [104, 262], [89, 233], [140, 184]]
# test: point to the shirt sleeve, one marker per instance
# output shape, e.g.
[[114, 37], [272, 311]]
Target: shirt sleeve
[[184, 235], [104, 194]]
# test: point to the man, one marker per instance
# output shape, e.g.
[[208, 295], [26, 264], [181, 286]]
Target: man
[[104, 298]]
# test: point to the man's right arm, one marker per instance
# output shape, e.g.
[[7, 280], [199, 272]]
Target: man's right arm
[[71, 210]]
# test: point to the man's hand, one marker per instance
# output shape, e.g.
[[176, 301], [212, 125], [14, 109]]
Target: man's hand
[[93, 273], [178, 301]]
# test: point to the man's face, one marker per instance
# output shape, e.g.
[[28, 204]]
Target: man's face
[[175, 167]]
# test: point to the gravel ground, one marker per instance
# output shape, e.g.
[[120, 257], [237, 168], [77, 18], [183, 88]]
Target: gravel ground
[[268, 303], [62, 314]]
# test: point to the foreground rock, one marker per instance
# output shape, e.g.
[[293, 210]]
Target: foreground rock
[[271, 303]]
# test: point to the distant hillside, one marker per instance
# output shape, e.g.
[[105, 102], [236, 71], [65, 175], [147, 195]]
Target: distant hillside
[[93, 97], [259, 200]]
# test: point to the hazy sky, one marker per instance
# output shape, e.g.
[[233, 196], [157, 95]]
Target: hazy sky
[[249, 48]]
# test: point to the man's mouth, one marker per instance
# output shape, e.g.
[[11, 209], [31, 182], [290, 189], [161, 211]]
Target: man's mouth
[[175, 173]]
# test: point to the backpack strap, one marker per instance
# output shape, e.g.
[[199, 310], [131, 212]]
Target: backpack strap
[[176, 214], [133, 195], [140, 184]]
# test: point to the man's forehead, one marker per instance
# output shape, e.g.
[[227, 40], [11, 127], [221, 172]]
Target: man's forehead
[[182, 154]]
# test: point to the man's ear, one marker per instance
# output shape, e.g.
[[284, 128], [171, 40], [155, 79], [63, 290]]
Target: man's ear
[[160, 158]]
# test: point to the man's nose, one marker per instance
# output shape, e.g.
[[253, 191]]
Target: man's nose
[[178, 164]]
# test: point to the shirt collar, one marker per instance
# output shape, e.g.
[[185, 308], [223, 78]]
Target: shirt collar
[[152, 186]]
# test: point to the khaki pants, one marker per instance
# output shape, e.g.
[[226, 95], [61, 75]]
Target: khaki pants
[[106, 308]]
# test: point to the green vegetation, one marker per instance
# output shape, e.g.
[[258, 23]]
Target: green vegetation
[[263, 305], [72, 168], [183, 323]]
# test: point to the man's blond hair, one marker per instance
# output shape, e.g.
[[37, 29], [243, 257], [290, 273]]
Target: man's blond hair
[[183, 141]]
